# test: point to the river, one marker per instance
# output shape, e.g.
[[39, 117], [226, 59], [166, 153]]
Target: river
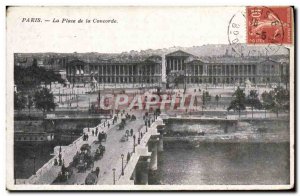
[[222, 164]]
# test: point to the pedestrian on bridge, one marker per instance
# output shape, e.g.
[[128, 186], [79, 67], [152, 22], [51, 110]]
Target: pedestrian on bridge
[[128, 157], [96, 132], [97, 171], [55, 162], [131, 132], [93, 132]]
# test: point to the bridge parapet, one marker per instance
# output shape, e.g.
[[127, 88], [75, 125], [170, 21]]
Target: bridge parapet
[[144, 157]]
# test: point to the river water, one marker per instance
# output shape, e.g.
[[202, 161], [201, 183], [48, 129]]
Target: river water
[[222, 164], [258, 154]]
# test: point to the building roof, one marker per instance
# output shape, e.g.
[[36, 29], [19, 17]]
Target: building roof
[[179, 53], [236, 60], [118, 60]]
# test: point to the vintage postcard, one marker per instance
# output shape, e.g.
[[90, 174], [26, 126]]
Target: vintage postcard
[[150, 98]]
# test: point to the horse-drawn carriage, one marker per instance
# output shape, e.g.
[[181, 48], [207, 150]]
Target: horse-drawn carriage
[[83, 160], [115, 119], [133, 117], [65, 174], [102, 137], [92, 177], [122, 124], [99, 152]]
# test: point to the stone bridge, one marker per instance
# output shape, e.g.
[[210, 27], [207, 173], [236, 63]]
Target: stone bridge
[[144, 157]]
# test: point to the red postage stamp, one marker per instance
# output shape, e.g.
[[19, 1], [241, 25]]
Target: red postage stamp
[[269, 25]]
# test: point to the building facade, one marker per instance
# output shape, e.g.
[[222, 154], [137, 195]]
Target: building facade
[[191, 69], [226, 70], [146, 71]]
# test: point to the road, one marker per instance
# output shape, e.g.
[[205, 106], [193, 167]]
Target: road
[[112, 156]]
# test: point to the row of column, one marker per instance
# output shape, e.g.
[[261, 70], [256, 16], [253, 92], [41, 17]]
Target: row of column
[[233, 79], [231, 70], [116, 79], [234, 70], [178, 64], [221, 80], [116, 70], [75, 70], [270, 70], [175, 64]]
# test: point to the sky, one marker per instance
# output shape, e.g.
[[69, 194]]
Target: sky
[[137, 28]]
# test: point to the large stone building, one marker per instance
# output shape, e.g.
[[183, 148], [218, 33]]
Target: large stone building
[[192, 70], [226, 69], [113, 71]]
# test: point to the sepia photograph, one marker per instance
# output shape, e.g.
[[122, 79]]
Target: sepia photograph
[[150, 98]]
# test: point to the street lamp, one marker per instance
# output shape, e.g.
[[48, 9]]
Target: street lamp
[[139, 134], [77, 100], [114, 175], [33, 163], [122, 156], [59, 95], [133, 143]]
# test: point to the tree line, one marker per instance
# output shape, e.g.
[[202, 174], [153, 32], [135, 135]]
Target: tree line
[[42, 100], [276, 100], [34, 75], [29, 93]]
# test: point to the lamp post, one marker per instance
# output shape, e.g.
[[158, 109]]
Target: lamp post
[[77, 100], [133, 143], [15, 174], [114, 175], [89, 104], [59, 95], [122, 156], [139, 134], [34, 162]]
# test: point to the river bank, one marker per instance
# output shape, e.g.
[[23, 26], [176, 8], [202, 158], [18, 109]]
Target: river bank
[[232, 138]]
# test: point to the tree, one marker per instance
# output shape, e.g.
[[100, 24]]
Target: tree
[[253, 101], [276, 100], [19, 101], [281, 100], [205, 97], [32, 76], [44, 100], [268, 102], [29, 103], [238, 102]]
